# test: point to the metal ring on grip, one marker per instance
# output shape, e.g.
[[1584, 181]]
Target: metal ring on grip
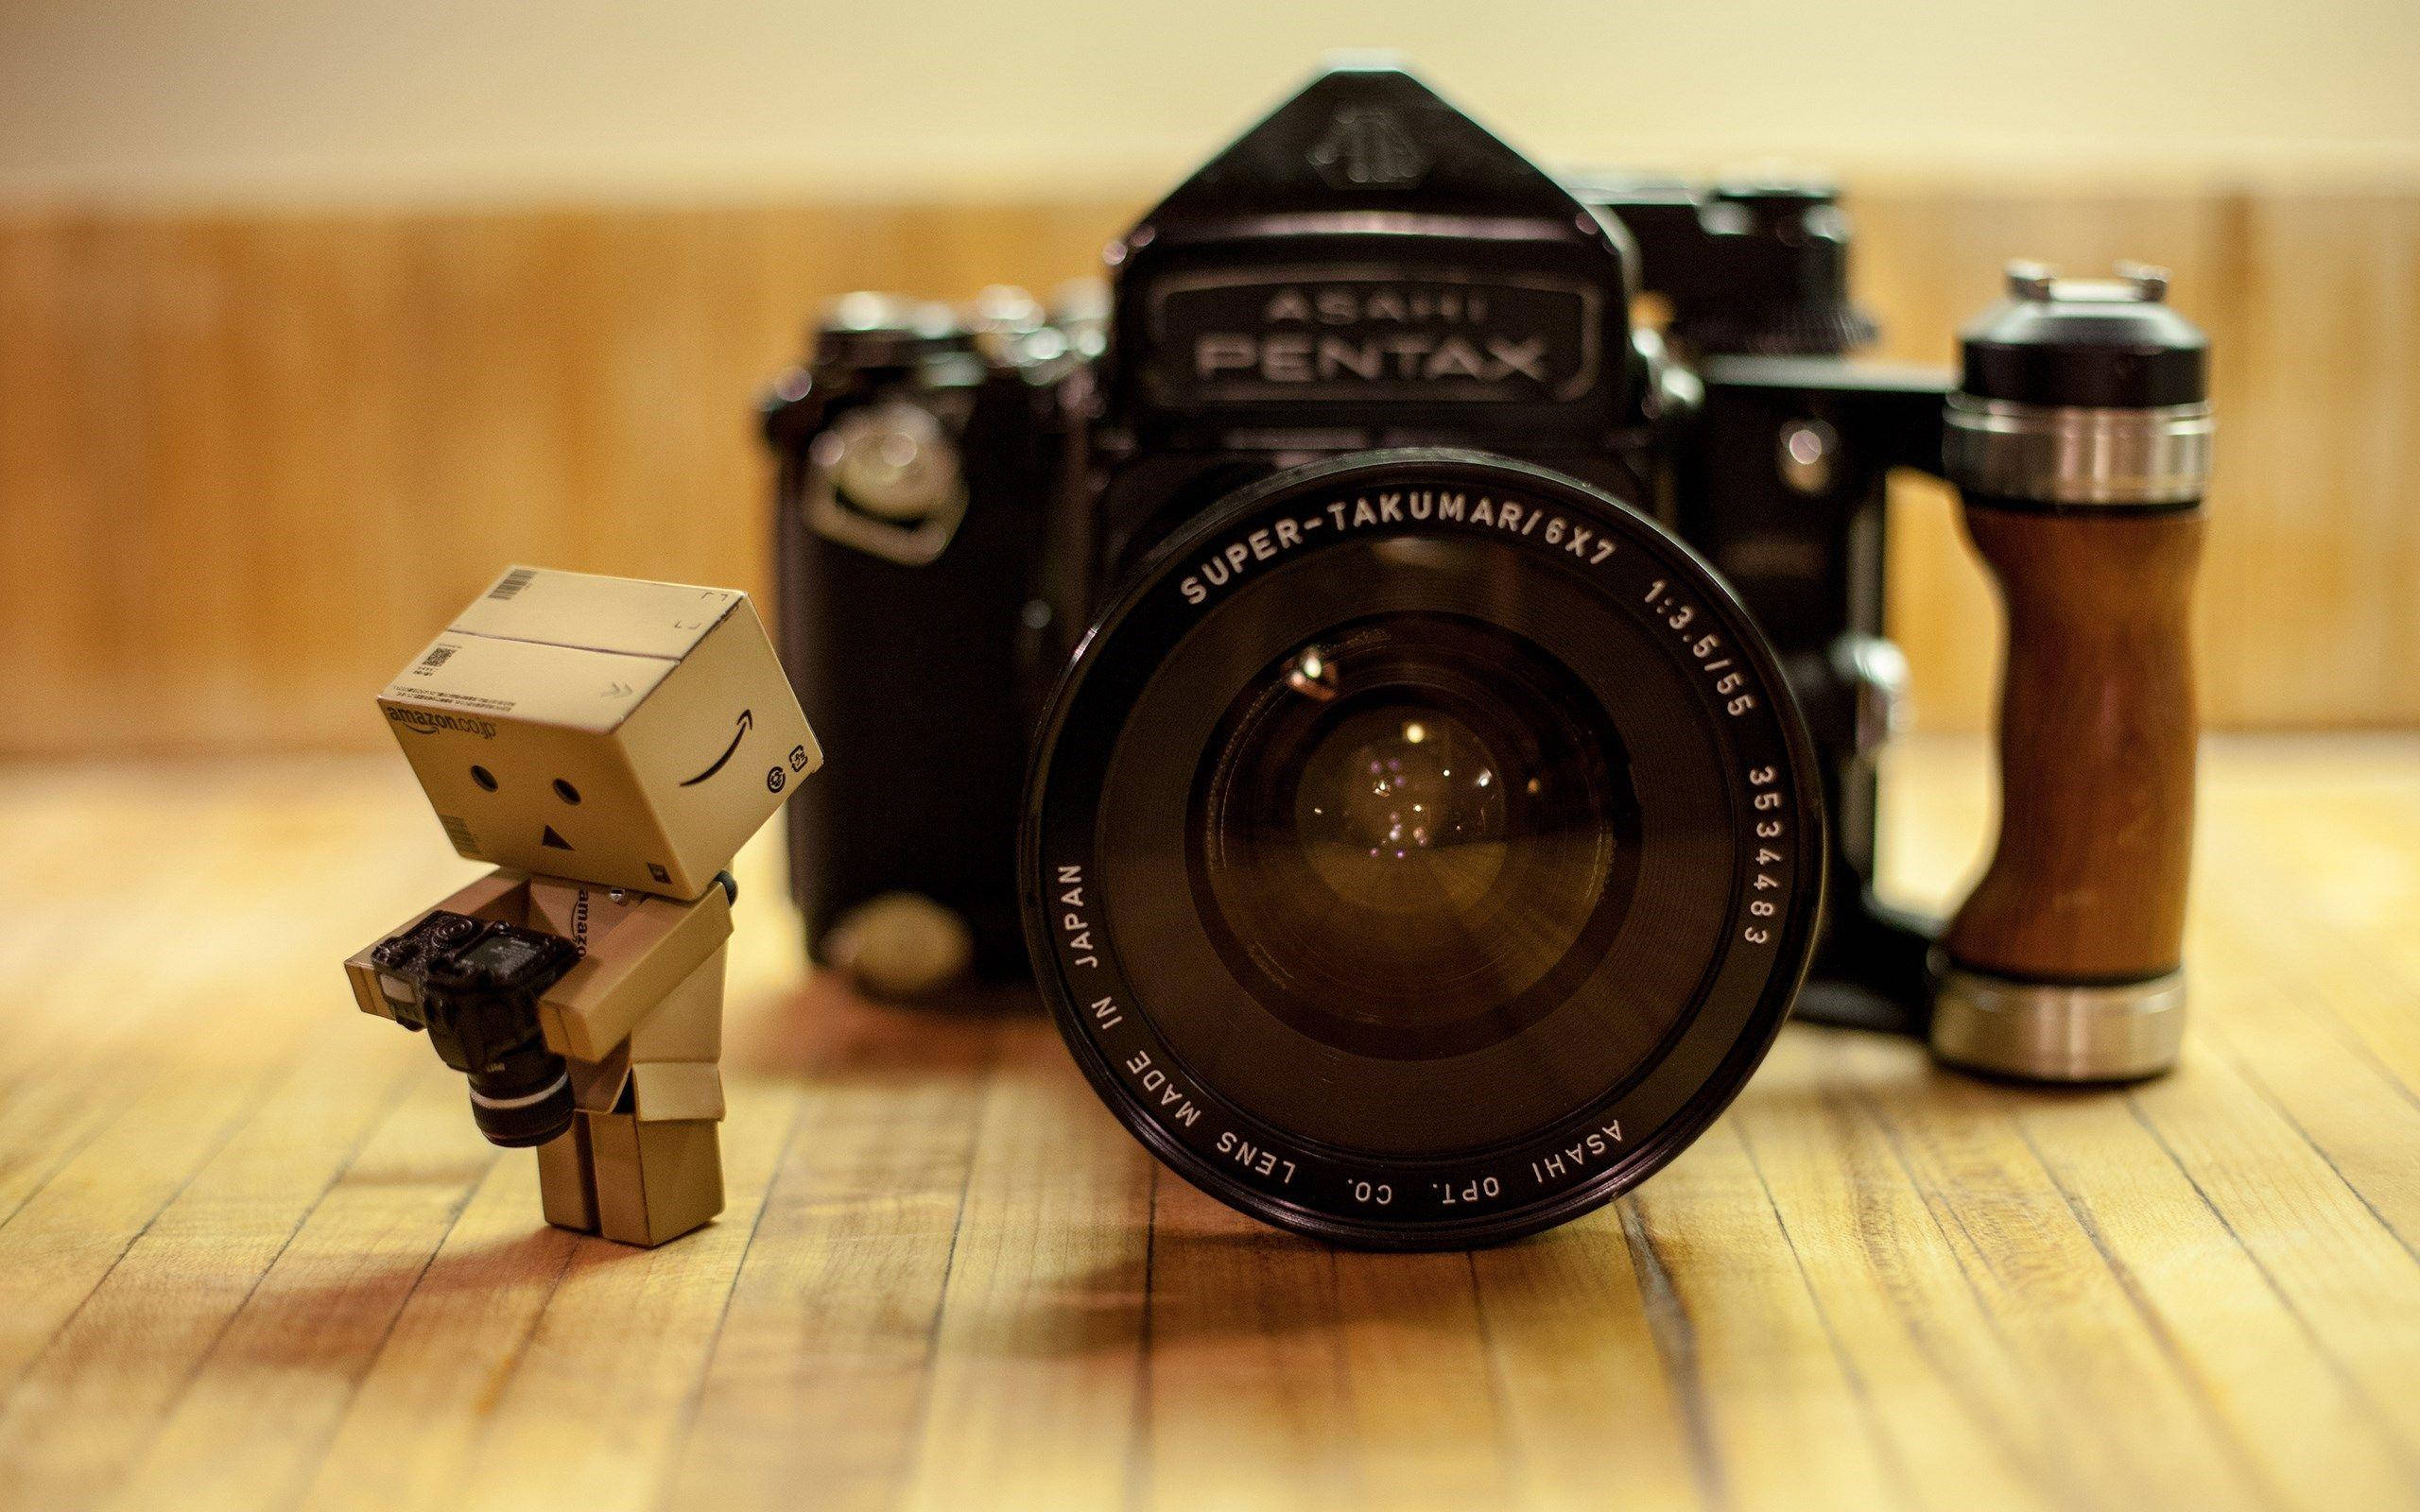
[[2057, 1032], [2078, 457]]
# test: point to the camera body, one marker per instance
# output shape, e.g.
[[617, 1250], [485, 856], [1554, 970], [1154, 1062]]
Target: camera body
[[1418, 714], [1367, 269], [473, 986]]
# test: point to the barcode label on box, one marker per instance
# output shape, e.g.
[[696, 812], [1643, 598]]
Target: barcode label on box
[[438, 656], [514, 581], [460, 832]]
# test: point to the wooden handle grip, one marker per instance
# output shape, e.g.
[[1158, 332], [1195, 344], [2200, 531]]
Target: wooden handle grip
[[2096, 741]]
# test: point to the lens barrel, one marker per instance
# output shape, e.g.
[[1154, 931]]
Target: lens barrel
[[1422, 851], [526, 1101]]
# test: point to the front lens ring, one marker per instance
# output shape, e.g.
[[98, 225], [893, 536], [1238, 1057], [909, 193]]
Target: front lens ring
[[1648, 584]]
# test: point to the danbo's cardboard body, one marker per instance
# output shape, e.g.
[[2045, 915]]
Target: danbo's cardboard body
[[612, 744]]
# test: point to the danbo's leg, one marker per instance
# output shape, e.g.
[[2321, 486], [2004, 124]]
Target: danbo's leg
[[654, 1181], [650, 1169], [659, 1175], [565, 1185]]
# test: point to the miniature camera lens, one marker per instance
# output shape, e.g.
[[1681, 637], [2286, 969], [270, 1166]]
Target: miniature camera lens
[[523, 1105], [565, 791], [484, 778]]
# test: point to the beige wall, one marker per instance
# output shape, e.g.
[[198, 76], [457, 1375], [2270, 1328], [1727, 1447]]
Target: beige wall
[[248, 460], [449, 98], [313, 311]]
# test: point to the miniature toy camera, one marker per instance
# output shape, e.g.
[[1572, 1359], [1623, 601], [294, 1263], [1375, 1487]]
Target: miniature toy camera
[[474, 985]]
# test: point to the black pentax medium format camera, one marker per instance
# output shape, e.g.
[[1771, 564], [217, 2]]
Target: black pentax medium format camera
[[1417, 719], [474, 985]]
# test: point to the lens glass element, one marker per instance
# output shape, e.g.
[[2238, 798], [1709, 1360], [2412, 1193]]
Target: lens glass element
[[1403, 834]]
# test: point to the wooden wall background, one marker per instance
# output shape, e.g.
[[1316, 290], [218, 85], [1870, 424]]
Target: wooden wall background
[[248, 462]]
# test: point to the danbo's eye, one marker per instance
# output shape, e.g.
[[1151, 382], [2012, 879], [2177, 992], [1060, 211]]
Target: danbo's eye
[[484, 778], [565, 791]]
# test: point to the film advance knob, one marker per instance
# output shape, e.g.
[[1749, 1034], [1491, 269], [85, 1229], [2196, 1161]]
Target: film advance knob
[[2083, 392]]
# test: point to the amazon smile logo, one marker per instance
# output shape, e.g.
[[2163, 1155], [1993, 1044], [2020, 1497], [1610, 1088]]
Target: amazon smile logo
[[747, 718]]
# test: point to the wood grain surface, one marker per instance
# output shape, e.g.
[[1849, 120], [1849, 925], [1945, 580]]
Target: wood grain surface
[[248, 460], [253, 1253], [2096, 733]]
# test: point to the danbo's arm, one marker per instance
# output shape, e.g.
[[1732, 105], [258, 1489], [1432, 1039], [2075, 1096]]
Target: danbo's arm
[[499, 895], [597, 1003]]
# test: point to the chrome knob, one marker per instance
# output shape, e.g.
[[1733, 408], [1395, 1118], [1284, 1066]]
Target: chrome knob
[[893, 461], [1807, 454], [1876, 673]]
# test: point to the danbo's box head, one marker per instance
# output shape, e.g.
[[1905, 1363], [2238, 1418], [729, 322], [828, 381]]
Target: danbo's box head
[[626, 733]]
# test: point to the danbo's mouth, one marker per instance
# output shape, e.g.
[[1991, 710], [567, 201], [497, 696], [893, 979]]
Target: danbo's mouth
[[747, 718]]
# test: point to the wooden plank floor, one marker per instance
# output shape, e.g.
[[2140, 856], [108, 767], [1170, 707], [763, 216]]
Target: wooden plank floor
[[252, 1253]]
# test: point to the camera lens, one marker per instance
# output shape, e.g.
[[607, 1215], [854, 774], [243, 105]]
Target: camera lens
[[1422, 851], [524, 1101]]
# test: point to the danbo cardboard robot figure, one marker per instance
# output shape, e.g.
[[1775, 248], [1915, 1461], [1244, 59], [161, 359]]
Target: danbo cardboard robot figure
[[608, 745]]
